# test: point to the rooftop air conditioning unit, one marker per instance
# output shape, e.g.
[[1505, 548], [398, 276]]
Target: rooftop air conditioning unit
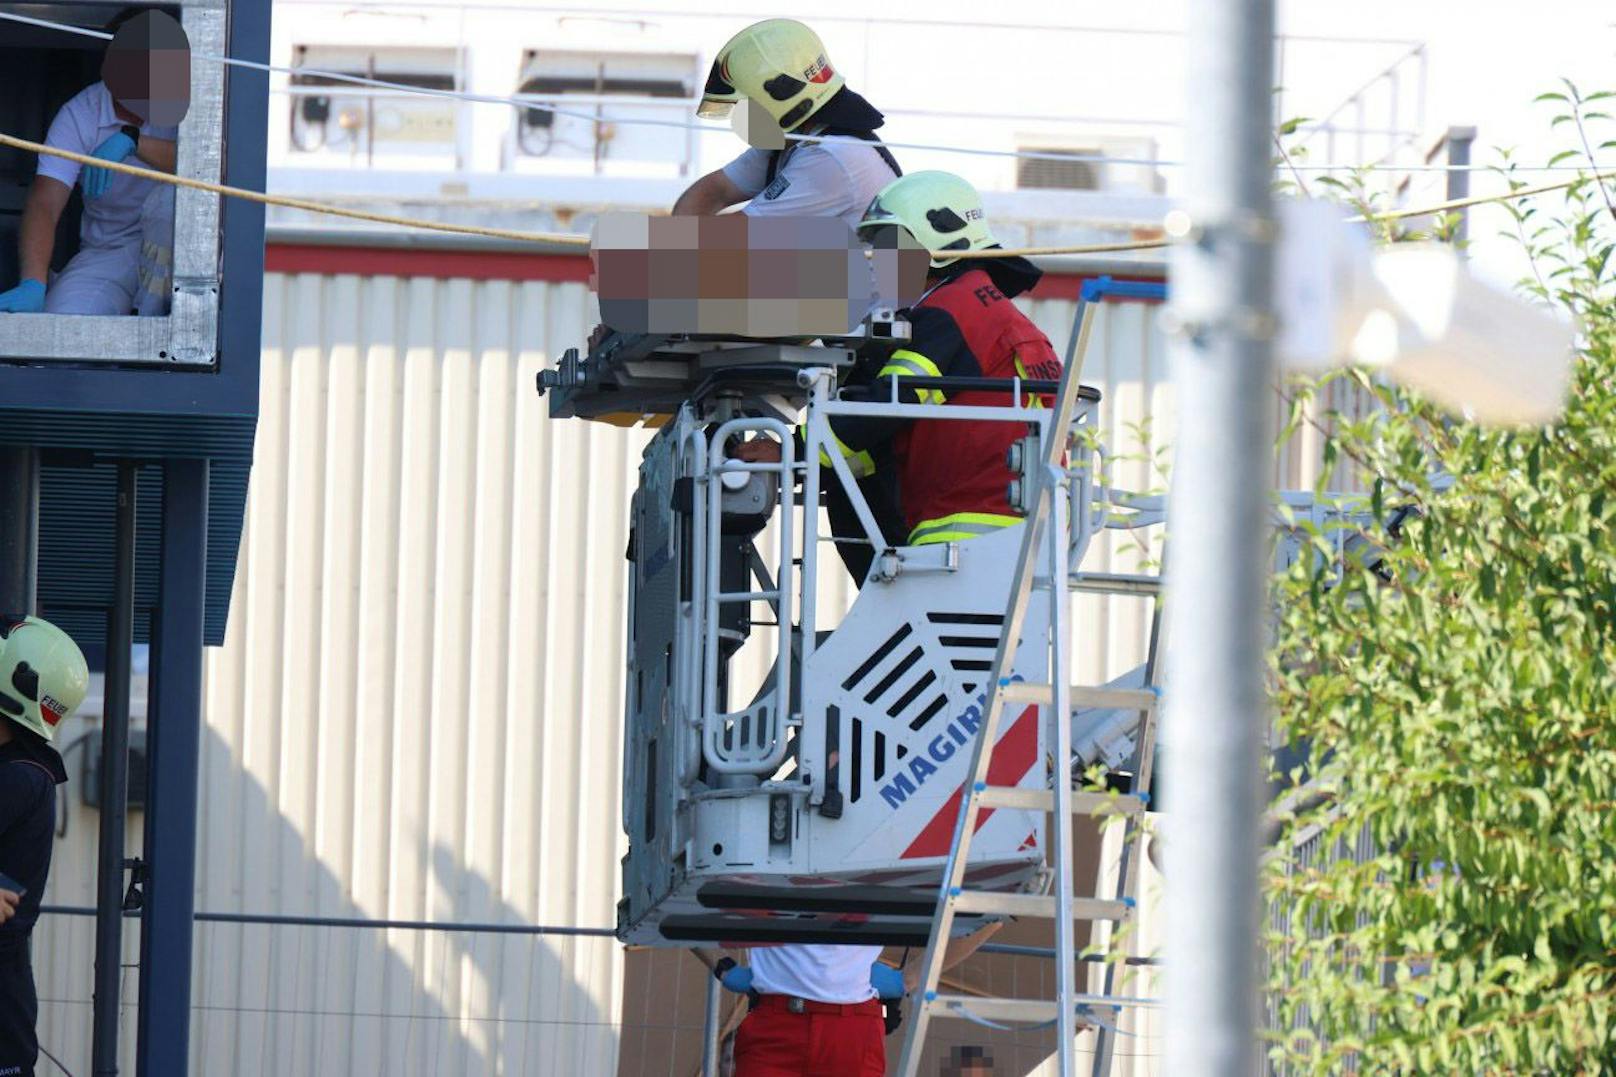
[[336, 117], [1088, 164], [595, 97], [1076, 173]]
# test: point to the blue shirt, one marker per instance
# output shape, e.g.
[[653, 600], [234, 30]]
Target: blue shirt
[[29, 775]]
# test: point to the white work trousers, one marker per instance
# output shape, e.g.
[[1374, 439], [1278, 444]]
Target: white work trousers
[[132, 276], [98, 280]]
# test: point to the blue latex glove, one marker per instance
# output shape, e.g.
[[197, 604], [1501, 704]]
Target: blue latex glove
[[26, 298], [737, 979], [887, 981], [96, 180]]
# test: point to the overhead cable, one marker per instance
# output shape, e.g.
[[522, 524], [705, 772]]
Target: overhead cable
[[533, 102], [563, 238], [576, 240]]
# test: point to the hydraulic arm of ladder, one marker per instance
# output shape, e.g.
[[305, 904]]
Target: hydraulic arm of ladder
[[1044, 544]]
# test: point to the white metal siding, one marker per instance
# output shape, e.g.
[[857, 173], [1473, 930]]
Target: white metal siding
[[416, 713]]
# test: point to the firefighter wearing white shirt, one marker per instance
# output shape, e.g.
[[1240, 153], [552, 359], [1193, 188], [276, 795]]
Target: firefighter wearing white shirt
[[816, 1011], [781, 65], [118, 119]]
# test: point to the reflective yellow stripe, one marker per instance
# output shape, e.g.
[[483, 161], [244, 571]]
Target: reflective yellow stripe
[[912, 363], [905, 363], [1033, 399], [858, 460], [959, 527]]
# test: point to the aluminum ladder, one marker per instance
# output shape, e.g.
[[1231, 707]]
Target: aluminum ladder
[[1048, 523]]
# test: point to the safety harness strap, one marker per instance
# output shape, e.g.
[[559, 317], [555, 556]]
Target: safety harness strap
[[778, 158]]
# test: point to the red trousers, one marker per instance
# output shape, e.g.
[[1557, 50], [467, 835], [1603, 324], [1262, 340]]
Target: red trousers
[[822, 1041]]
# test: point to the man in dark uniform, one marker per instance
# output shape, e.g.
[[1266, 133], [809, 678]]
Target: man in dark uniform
[[43, 677]]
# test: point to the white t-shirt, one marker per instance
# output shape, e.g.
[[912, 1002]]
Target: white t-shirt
[[818, 179], [86, 121], [839, 974]]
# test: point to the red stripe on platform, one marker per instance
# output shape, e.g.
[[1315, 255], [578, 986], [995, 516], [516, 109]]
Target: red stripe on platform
[[1070, 286], [1013, 756]]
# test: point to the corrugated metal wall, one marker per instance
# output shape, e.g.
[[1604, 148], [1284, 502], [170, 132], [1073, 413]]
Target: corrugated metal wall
[[416, 711]]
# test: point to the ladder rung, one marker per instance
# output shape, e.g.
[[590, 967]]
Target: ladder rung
[[1025, 1009], [1115, 583], [1140, 699], [1083, 696], [1026, 692], [993, 1009], [1007, 796], [748, 596], [994, 903]]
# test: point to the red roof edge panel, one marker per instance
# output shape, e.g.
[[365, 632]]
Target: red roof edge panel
[[516, 266], [425, 262]]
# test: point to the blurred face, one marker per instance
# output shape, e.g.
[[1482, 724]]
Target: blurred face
[[901, 264], [147, 69], [753, 123], [969, 1062]]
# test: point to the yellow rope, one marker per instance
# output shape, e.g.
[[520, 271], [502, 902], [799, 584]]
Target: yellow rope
[[1034, 252], [296, 203], [574, 240], [1465, 203], [565, 238]]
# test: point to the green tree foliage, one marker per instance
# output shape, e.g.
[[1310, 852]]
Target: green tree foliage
[[1457, 705]]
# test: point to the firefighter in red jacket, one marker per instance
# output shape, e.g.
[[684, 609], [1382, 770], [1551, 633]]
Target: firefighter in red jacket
[[953, 479], [952, 484]]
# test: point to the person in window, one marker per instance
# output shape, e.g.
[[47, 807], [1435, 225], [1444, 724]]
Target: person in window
[[130, 116]]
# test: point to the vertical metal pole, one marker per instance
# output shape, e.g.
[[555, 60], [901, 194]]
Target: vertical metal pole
[[1360, 119], [1059, 716], [710, 1049], [1460, 139], [1394, 140], [114, 784], [174, 750], [1419, 122], [1215, 717], [1279, 81], [19, 528]]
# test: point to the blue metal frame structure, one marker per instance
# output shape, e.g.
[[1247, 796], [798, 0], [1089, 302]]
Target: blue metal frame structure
[[191, 432], [1097, 288], [155, 414], [174, 749]]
